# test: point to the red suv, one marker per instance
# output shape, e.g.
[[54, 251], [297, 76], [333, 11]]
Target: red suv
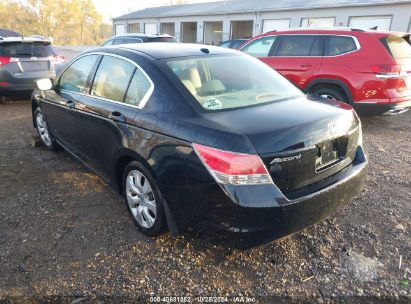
[[371, 70]]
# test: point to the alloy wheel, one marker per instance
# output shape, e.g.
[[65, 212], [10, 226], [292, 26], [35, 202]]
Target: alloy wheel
[[141, 199]]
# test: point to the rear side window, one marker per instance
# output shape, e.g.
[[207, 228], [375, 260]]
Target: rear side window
[[337, 45], [118, 41], [112, 78], [260, 47], [299, 45], [163, 39], [132, 40], [74, 78], [26, 49], [138, 89], [398, 47]]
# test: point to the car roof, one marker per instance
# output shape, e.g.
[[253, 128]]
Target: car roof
[[162, 50], [141, 35], [23, 39], [332, 30]]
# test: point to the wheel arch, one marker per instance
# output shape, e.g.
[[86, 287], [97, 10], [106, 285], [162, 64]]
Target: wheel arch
[[335, 82], [123, 158]]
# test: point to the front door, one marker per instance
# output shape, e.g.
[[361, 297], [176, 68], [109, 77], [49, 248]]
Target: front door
[[59, 105], [106, 113]]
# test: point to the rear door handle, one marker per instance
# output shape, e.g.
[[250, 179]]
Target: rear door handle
[[117, 116], [305, 65], [71, 104]]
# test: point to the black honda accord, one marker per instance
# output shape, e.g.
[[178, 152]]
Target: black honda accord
[[191, 133]]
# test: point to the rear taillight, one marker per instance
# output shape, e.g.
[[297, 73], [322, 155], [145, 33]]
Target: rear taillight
[[58, 58], [4, 60], [389, 71], [233, 168]]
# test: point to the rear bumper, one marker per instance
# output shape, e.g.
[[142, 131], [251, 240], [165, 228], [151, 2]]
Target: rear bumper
[[12, 87], [263, 208], [11, 84], [376, 109]]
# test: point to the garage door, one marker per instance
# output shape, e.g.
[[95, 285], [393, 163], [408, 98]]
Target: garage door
[[317, 22], [383, 22], [275, 24], [150, 28], [120, 29]]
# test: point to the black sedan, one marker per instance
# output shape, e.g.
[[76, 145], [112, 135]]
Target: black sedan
[[191, 133]]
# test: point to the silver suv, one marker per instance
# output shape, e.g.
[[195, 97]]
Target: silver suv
[[23, 60]]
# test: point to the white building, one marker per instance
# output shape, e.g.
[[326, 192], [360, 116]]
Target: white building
[[213, 22]]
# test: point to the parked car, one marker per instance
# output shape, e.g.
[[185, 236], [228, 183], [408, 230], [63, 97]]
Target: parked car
[[232, 44], [370, 70], [190, 133], [24, 60], [139, 38]]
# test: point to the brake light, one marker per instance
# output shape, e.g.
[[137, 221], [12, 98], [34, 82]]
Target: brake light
[[58, 58], [233, 168], [4, 60], [386, 68]]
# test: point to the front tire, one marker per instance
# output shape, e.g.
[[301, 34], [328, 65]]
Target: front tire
[[43, 131], [143, 199]]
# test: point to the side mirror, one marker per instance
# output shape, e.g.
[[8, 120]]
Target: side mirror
[[44, 84]]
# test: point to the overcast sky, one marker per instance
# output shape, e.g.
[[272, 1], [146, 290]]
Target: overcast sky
[[110, 9]]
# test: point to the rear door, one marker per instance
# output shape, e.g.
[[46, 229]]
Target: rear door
[[59, 104], [297, 57], [29, 59], [117, 92]]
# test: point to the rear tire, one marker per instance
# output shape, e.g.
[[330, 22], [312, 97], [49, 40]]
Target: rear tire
[[331, 93], [143, 199], [43, 131]]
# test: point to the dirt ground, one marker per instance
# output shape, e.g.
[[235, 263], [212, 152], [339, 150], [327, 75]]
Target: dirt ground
[[66, 236]]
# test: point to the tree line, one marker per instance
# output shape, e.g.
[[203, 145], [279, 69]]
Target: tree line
[[66, 22]]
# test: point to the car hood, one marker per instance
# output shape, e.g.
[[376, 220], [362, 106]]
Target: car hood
[[290, 124]]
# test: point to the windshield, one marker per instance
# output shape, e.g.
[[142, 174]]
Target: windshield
[[228, 82], [26, 49]]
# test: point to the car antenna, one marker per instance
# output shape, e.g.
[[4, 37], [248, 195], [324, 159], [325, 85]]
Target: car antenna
[[205, 50]]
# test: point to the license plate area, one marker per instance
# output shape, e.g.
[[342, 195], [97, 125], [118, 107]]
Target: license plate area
[[329, 153], [33, 66]]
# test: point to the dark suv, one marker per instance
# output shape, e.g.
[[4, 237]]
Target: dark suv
[[23, 60], [139, 38], [371, 70]]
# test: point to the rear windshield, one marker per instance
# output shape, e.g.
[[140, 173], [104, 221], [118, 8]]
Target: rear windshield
[[26, 49], [228, 82], [398, 46], [163, 39]]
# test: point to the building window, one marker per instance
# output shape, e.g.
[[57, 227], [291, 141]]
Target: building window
[[318, 22]]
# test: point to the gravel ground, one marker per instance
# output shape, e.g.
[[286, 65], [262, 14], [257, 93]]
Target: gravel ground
[[65, 233]]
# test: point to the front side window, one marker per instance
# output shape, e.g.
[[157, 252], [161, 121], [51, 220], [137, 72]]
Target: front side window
[[299, 45], [228, 82], [74, 78], [108, 43], [260, 47], [337, 45], [138, 89], [112, 78]]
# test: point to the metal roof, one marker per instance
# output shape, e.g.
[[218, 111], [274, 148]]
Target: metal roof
[[245, 6]]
